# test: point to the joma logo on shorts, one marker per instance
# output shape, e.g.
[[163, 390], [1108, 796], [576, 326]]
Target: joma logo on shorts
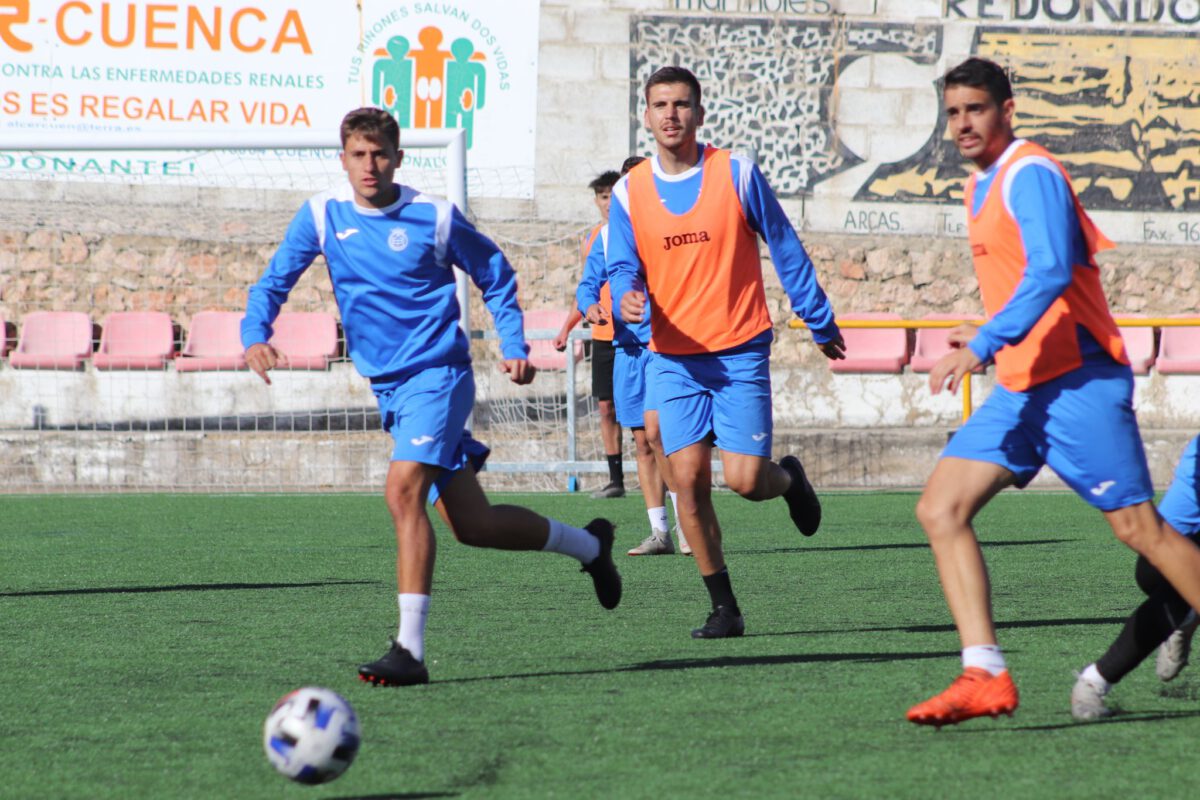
[[685, 238]]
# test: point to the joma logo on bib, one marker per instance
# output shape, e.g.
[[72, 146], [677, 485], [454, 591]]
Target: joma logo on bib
[[685, 238]]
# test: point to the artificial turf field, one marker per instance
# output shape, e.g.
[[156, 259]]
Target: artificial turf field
[[144, 638]]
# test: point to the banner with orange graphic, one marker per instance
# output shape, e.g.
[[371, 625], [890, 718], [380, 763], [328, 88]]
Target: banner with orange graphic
[[116, 72]]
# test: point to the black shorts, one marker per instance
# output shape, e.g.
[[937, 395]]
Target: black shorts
[[603, 355]]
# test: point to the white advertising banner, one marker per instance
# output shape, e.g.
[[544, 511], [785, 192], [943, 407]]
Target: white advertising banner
[[275, 77]]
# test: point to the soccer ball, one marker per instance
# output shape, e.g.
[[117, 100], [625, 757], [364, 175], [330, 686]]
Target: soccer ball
[[311, 735]]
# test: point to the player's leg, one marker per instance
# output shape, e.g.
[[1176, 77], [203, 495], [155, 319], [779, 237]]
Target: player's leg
[[654, 440], [475, 521], [743, 426], [603, 358], [692, 466], [658, 542]]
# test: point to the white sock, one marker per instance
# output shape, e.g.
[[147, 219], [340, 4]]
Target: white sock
[[1093, 676], [574, 542], [658, 518], [678, 527], [674, 504], [414, 609], [984, 656]]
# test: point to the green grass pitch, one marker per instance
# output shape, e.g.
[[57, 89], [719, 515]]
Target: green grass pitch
[[144, 638]]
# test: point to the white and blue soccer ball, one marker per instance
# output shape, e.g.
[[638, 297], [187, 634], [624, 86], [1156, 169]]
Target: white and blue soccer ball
[[311, 735]]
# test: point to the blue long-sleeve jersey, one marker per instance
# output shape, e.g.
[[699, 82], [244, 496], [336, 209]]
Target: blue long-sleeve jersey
[[1038, 197], [595, 274], [392, 276], [763, 213]]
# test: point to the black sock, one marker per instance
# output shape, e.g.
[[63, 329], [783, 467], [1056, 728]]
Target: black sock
[[721, 591], [616, 472]]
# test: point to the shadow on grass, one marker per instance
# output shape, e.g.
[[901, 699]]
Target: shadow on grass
[[1120, 718], [183, 587], [719, 661], [395, 796], [897, 546], [949, 628]]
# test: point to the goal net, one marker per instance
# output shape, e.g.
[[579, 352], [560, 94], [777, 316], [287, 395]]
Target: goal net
[[181, 229]]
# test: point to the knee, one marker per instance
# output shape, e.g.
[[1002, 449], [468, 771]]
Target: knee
[[470, 534], [1138, 535], [404, 498], [938, 516], [748, 486]]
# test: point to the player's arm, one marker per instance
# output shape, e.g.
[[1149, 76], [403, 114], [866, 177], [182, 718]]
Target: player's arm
[[792, 264], [560, 340], [623, 262], [295, 254], [587, 295], [1044, 209], [480, 258]]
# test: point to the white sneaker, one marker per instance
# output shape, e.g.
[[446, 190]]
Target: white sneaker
[[656, 544], [1173, 653], [1087, 701]]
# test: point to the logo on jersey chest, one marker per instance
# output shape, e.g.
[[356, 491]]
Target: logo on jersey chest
[[679, 240], [398, 239]]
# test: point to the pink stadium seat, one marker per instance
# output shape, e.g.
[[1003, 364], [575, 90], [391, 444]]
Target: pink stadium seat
[[53, 340], [1139, 345], [931, 343], [214, 342], [135, 340], [1179, 351], [873, 349], [541, 352], [306, 340]]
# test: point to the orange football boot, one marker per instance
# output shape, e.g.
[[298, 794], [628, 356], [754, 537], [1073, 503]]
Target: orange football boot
[[975, 693]]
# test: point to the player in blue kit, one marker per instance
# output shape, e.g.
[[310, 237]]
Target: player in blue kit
[[390, 252], [632, 394], [684, 230], [1064, 394], [1164, 620]]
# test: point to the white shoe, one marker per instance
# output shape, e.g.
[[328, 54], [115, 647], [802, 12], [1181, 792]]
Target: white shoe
[[1173, 653], [656, 544], [1087, 701]]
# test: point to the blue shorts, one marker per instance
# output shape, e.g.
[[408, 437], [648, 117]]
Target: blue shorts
[[630, 386], [1080, 424], [426, 414], [727, 395], [1181, 504]]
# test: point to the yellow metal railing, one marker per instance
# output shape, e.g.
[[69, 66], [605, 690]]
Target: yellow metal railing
[[1122, 322]]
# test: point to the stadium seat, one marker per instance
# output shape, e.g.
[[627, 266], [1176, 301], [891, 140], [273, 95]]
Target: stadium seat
[[873, 349], [541, 352], [214, 342], [135, 340], [53, 340], [305, 340], [931, 343], [1139, 345], [1179, 351]]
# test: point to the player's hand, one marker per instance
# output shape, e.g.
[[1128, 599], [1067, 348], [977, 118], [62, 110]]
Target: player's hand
[[519, 370], [260, 358], [948, 372], [633, 307], [834, 349], [962, 335], [560, 342], [597, 315]]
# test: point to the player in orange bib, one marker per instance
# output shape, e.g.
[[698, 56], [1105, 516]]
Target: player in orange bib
[[684, 229], [1065, 388]]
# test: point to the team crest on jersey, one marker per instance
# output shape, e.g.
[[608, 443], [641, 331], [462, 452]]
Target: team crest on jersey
[[398, 239]]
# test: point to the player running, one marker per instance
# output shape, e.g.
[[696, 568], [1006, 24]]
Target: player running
[[684, 229], [1064, 393], [1164, 620], [390, 252]]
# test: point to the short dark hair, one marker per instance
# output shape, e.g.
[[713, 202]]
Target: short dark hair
[[605, 180], [673, 75], [630, 163], [979, 73], [373, 123]]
